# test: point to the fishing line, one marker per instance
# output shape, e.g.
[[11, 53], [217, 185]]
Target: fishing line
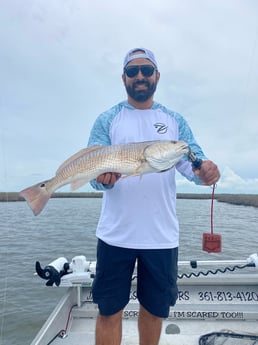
[[211, 243], [212, 206]]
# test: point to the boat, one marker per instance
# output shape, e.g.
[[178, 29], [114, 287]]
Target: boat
[[217, 304]]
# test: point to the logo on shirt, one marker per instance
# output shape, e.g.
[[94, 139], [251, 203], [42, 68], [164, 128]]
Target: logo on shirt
[[161, 128]]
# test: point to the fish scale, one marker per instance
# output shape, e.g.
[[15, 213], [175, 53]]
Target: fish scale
[[127, 159]]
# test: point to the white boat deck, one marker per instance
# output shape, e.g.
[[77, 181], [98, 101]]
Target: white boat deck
[[183, 332], [188, 334], [222, 302]]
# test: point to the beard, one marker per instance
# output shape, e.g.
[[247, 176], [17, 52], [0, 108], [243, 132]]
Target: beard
[[141, 95]]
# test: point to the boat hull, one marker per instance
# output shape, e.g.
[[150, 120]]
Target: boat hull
[[205, 304]]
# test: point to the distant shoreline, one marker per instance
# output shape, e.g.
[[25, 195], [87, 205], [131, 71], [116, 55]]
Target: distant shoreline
[[236, 199]]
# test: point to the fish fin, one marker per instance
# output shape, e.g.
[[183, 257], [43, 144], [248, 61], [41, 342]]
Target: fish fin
[[130, 175], [144, 168], [37, 196], [140, 170], [78, 183], [136, 172], [77, 155]]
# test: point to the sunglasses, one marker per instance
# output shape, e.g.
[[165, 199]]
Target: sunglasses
[[146, 70]]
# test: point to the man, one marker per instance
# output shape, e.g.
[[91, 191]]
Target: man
[[138, 218]]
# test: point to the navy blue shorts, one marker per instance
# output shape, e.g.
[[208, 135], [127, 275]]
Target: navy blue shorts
[[156, 278]]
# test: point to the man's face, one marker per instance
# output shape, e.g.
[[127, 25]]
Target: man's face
[[142, 85]]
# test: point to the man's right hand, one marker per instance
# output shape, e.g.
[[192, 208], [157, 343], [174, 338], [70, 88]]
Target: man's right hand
[[108, 178]]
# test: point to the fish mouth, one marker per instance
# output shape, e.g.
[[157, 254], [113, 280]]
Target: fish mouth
[[184, 146], [186, 149]]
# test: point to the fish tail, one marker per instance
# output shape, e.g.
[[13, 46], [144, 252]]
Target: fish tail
[[37, 196]]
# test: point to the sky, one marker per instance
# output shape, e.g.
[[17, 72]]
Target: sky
[[61, 66]]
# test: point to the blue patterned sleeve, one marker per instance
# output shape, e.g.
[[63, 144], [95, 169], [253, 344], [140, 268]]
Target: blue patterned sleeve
[[184, 166], [99, 135]]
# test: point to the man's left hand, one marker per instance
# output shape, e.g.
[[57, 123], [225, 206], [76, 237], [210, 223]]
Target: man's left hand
[[208, 173]]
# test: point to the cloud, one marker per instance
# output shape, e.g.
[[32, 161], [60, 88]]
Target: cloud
[[229, 182], [62, 62]]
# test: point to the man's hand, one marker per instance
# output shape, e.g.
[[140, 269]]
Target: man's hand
[[108, 178], [209, 173]]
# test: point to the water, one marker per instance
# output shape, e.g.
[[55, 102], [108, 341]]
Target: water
[[67, 228]]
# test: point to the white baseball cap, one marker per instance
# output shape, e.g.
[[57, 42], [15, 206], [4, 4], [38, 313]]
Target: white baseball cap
[[141, 53]]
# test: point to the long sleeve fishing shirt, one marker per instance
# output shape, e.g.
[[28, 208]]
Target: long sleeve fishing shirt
[[139, 212]]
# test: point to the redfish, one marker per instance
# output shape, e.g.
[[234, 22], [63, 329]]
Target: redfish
[[130, 159]]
